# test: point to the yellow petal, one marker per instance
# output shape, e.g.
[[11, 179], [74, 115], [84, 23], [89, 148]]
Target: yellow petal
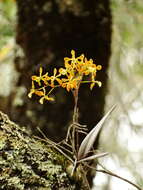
[[39, 93], [41, 100], [33, 86], [92, 85], [68, 87], [55, 71], [40, 70], [32, 91], [73, 53], [30, 95], [62, 71], [98, 67], [90, 61], [99, 83], [49, 98], [34, 77], [63, 85], [59, 81]]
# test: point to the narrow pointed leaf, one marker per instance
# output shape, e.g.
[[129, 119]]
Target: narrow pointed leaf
[[93, 157], [89, 140]]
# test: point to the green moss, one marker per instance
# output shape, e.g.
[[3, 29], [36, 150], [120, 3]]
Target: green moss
[[26, 163]]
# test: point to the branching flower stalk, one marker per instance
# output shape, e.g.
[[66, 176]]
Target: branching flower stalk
[[70, 77]]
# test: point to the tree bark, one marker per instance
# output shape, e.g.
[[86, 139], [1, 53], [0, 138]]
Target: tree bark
[[27, 163], [47, 31]]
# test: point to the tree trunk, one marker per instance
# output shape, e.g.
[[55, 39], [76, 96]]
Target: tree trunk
[[47, 30], [27, 163]]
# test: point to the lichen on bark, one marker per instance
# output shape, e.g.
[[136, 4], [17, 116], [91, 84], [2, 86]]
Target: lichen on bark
[[27, 163]]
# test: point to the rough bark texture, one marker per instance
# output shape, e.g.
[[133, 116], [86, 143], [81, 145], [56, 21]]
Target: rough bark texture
[[47, 30], [26, 163]]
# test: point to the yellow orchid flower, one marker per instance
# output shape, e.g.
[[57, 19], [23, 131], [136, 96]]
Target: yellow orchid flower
[[69, 77], [38, 78], [45, 78], [54, 78]]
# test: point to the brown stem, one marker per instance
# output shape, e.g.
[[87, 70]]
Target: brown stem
[[115, 175], [75, 114], [73, 129], [75, 120]]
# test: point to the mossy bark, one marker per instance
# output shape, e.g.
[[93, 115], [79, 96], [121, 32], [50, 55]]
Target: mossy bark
[[27, 163], [47, 30]]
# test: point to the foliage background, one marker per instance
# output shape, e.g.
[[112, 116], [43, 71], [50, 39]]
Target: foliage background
[[125, 128], [125, 88]]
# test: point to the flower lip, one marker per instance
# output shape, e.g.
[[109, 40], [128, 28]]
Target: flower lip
[[69, 77]]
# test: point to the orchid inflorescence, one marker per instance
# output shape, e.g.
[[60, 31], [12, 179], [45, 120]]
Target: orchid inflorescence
[[70, 77]]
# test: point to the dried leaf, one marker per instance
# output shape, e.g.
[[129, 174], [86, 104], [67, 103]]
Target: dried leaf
[[95, 156]]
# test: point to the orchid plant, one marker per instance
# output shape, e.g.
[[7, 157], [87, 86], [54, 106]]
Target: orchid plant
[[70, 77]]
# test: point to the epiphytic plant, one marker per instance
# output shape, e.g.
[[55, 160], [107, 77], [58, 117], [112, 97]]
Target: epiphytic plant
[[71, 77]]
